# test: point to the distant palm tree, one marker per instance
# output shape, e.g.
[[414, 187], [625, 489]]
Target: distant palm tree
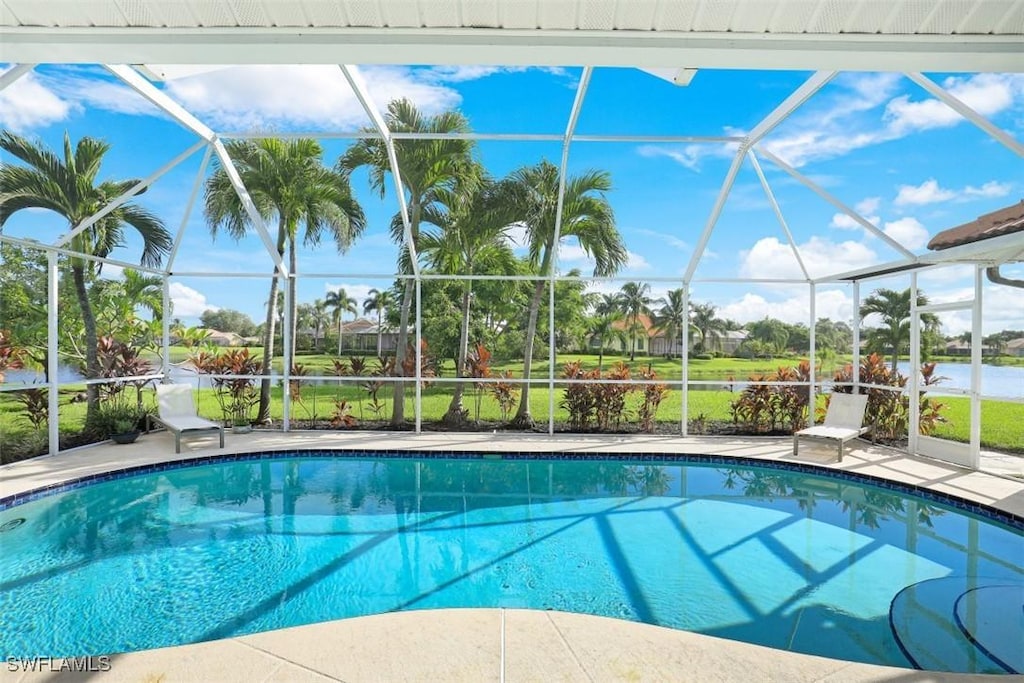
[[605, 327], [68, 187], [672, 319], [287, 181], [586, 215], [894, 309], [340, 303], [378, 300], [708, 324], [635, 303], [426, 166], [474, 233], [319, 319]]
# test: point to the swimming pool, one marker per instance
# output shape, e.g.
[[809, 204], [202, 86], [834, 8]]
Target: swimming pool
[[783, 558]]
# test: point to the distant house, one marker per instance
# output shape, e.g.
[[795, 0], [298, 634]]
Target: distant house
[[959, 348], [361, 335], [643, 336], [1015, 347], [655, 342], [224, 338]]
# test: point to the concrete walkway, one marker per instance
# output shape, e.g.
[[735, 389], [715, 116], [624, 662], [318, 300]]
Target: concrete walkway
[[492, 644]]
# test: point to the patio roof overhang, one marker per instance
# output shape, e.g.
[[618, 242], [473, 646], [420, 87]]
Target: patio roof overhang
[[884, 35]]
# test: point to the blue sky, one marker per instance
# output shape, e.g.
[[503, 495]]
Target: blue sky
[[878, 142]]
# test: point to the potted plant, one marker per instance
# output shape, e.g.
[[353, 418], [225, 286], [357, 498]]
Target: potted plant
[[125, 430], [241, 424]]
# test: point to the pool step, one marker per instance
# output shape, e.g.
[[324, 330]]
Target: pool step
[[993, 618], [930, 632]]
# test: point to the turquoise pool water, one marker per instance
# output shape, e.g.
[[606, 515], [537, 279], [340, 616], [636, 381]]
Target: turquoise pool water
[[773, 557]]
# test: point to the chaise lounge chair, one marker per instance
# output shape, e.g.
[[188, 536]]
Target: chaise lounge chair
[[842, 422], [178, 413]]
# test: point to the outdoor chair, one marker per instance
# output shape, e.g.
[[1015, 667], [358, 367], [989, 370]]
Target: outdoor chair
[[842, 422], [177, 412]]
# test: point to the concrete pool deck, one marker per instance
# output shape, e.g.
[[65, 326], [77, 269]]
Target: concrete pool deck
[[493, 644]]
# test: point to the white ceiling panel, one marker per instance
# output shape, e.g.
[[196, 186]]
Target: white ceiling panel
[[324, 12], [251, 13], [402, 14], [752, 16], [987, 15], [886, 17], [364, 12], [283, 13], [715, 15], [832, 16], [558, 14], [480, 13], [637, 16], [597, 15], [794, 16], [212, 12], [140, 13], [676, 16], [443, 13], [917, 35]]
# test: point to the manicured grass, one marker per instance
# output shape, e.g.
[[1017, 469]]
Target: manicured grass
[[1002, 422]]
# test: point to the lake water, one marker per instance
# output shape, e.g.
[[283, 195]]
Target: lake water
[[996, 380]]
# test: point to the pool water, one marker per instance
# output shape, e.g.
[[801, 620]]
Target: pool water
[[779, 558]]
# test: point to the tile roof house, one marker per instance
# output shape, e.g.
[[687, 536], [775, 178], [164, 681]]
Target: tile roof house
[[1009, 219]]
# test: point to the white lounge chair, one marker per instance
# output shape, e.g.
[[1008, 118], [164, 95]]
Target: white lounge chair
[[178, 413], [842, 422]]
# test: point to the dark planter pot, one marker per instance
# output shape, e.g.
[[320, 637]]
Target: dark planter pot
[[127, 437]]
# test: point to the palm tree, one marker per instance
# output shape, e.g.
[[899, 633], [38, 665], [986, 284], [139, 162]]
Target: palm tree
[[287, 181], [68, 187], [340, 303], [635, 303], [604, 327], [378, 300], [474, 224], [586, 215], [319, 318], [709, 325], [671, 318], [894, 308], [426, 166]]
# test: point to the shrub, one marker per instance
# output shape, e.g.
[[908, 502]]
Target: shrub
[[889, 411], [766, 408], [703, 356]]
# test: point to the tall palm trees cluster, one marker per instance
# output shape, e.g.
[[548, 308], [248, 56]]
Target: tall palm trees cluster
[[458, 222], [617, 318]]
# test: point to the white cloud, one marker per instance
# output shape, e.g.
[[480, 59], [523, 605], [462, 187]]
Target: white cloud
[[909, 232], [517, 237], [668, 239], [927, 192], [1003, 309], [987, 94], [689, 155], [842, 119], [28, 103], [868, 205], [315, 96], [98, 93], [833, 304], [188, 302], [635, 261], [771, 259], [359, 292]]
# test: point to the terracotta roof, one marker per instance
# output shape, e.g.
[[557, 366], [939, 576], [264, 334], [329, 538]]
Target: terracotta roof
[[1007, 220], [643, 319]]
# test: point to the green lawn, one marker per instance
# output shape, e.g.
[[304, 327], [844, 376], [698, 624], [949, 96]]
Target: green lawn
[[1002, 423]]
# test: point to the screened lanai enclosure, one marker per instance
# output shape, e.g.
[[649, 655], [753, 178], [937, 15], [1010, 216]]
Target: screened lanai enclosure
[[672, 216]]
